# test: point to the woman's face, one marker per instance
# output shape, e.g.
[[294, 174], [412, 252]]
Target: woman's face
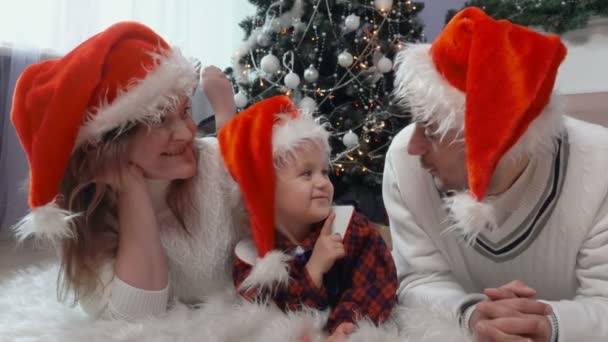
[[165, 151]]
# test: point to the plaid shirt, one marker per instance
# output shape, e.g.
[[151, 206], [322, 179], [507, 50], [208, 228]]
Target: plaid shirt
[[361, 285]]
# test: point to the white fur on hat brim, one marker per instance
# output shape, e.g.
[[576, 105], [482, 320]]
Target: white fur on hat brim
[[468, 216], [422, 89], [143, 100], [47, 222], [291, 132], [268, 273], [432, 99]]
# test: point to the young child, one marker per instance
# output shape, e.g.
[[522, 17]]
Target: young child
[[279, 158]]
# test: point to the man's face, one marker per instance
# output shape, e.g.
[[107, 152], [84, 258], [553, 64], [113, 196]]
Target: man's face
[[443, 157]]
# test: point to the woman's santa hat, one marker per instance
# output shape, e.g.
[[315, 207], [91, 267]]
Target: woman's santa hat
[[493, 80], [250, 144], [123, 75]]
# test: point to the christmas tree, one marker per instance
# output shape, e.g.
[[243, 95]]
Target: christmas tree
[[333, 58], [557, 16]]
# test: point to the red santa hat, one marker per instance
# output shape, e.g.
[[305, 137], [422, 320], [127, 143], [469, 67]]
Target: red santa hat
[[250, 144], [493, 80], [123, 75]]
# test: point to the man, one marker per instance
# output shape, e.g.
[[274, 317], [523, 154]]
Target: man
[[497, 202]]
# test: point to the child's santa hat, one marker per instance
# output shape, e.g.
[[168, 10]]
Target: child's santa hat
[[250, 144], [123, 75], [493, 80]]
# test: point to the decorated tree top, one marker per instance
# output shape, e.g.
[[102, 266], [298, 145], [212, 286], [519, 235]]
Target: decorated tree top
[[333, 58]]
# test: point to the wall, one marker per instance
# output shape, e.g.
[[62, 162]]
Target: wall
[[585, 69]]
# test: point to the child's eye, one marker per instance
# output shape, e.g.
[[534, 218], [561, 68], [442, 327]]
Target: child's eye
[[307, 173], [325, 172]]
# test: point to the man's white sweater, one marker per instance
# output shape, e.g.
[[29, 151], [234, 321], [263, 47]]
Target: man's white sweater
[[200, 263], [553, 234]]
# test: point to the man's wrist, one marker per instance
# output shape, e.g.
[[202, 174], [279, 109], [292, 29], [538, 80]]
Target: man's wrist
[[465, 312], [554, 327]]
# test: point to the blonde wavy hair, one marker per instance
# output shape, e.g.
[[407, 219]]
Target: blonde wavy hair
[[96, 229]]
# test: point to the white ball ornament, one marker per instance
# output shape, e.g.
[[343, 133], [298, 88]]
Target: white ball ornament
[[307, 104], [350, 139], [345, 59], [384, 65], [311, 74], [270, 63], [275, 25], [263, 39], [292, 80], [240, 100], [383, 5], [352, 22]]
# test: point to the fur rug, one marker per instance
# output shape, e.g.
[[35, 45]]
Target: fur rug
[[30, 312]]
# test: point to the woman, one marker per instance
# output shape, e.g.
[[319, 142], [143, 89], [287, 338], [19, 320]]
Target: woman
[[140, 210]]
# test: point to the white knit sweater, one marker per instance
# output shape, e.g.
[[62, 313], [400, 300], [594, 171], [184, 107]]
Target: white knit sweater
[[553, 234], [199, 264]]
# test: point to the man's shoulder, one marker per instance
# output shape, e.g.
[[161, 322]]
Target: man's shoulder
[[586, 134]]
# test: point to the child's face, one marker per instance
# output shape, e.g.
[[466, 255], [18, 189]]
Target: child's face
[[304, 193]]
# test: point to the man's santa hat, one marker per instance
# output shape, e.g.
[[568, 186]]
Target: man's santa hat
[[123, 75], [250, 144], [493, 80]]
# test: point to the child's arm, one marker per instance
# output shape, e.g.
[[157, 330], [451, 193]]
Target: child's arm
[[218, 90], [299, 290], [374, 284]]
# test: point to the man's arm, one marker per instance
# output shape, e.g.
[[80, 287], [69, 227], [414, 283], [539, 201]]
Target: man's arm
[[584, 317], [424, 276]]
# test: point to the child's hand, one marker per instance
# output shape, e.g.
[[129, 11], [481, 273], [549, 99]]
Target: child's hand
[[218, 90], [327, 250], [341, 333]]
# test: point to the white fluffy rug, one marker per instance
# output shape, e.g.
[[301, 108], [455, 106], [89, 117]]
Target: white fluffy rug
[[29, 311]]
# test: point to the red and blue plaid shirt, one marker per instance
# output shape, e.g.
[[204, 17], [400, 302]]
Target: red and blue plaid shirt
[[363, 284]]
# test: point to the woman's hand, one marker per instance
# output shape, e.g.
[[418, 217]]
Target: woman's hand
[[218, 90]]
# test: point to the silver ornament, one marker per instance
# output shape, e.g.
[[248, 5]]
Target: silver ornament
[[350, 140], [384, 65], [263, 39], [352, 22], [292, 80], [307, 105], [240, 100], [383, 5], [345, 59], [270, 63], [311, 74]]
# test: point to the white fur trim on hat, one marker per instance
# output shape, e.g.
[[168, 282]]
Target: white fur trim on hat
[[291, 132], [432, 99], [268, 273], [469, 216], [47, 222], [425, 92], [143, 100]]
